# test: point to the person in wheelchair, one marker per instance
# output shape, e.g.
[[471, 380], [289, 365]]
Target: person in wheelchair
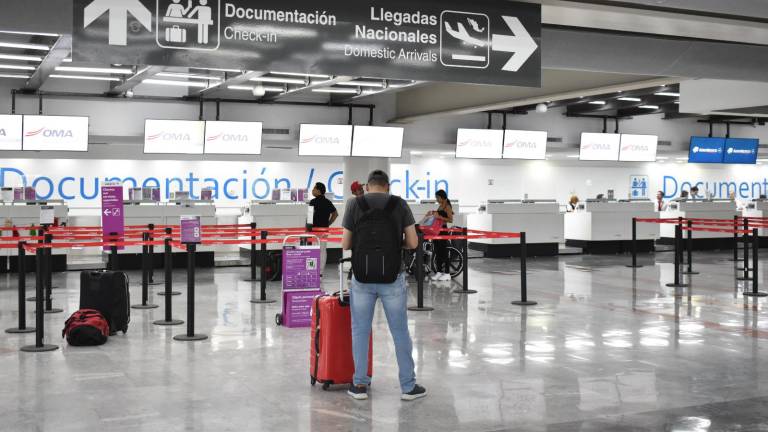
[[444, 213]]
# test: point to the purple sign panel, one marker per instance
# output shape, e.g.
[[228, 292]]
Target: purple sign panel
[[112, 217], [297, 307], [190, 229], [18, 194], [29, 194], [301, 267], [156, 194]]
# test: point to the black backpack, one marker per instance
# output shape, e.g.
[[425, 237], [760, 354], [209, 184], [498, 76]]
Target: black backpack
[[377, 244]]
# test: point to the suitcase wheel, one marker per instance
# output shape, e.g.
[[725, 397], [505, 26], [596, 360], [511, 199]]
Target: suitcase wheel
[[312, 380], [326, 386], [279, 319]]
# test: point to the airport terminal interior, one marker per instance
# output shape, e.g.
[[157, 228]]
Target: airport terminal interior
[[186, 194]]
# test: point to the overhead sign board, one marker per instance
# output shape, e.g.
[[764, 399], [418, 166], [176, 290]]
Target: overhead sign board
[[519, 144], [479, 143], [706, 150], [599, 147], [375, 141], [233, 138], [325, 140], [10, 132], [174, 136], [638, 148], [741, 151], [479, 41], [55, 133]]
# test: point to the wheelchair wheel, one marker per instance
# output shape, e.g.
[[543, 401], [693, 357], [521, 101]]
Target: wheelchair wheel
[[455, 262]]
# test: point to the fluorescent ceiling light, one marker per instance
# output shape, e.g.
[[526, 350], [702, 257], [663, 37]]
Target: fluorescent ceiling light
[[175, 83], [279, 80], [250, 89], [672, 94], [299, 74], [597, 102], [336, 90], [28, 33], [629, 99], [650, 107], [362, 84], [85, 77], [117, 71], [14, 76], [21, 57], [185, 75], [67, 60], [27, 46], [17, 67]]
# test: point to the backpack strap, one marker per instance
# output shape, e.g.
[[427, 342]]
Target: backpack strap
[[391, 205], [363, 204]]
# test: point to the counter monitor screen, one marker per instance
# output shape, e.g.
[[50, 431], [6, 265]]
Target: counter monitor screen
[[174, 137], [325, 140], [55, 133], [233, 138], [371, 141], [519, 144], [638, 148], [741, 151], [706, 150], [10, 132], [479, 143], [599, 147]]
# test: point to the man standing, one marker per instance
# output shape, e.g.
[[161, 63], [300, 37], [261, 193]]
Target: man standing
[[323, 216], [376, 228], [204, 20]]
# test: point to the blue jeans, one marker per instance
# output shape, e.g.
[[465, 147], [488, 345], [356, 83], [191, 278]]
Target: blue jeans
[[394, 298]]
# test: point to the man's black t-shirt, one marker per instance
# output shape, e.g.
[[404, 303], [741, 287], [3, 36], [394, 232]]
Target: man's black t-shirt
[[324, 208]]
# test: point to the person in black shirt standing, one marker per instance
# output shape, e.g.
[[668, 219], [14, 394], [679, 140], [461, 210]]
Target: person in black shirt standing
[[323, 216]]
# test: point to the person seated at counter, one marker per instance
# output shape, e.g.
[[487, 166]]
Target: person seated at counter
[[660, 206], [572, 203], [683, 196], [695, 193], [444, 212]]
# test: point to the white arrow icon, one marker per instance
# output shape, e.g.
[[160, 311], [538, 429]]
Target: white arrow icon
[[118, 17], [107, 212], [521, 44]]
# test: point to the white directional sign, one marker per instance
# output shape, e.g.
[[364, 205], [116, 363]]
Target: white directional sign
[[521, 44], [118, 11]]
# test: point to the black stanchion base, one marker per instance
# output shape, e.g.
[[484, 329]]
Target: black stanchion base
[[421, 309], [53, 310], [19, 331], [755, 294], [35, 348], [524, 303], [186, 338], [680, 285], [146, 306], [631, 266], [690, 272], [463, 291], [173, 293], [172, 322], [742, 278], [260, 301]]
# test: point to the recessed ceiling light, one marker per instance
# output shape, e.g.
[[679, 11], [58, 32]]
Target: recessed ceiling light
[[189, 76], [650, 107], [336, 90], [250, 89], [666, 93], [26, 46], [17, 67], [21, 57], [175, 83], [279, 80], [85, 77], [362, 84], [117, 71], [14, 76], [597, 102], [629, 99], [299, 74]]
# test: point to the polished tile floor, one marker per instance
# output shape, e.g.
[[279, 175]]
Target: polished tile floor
[[606, 348]]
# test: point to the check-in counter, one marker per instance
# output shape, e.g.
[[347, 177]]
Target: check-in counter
[[421, 208], [27, 213], [541, 221], [166, 213], [274, 214], [758, 209], [700, 209], [605, 227]]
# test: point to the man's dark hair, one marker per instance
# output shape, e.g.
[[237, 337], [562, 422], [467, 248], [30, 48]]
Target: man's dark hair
[[695, 188], [378, 178], [320, 187]]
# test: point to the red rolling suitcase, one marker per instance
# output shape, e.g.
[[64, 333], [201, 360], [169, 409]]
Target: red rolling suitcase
[[331, 340]]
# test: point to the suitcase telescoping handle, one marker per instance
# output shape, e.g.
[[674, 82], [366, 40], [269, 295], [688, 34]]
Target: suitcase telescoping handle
[[342, 291]]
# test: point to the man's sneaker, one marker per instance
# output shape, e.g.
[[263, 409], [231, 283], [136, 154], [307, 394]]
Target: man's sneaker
[[417, 392], [358, 392], [444, 277], [436, 276]]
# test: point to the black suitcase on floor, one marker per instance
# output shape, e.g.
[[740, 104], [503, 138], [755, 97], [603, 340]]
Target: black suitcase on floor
[[107, 292]]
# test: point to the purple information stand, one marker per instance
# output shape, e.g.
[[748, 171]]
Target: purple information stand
[[190, 229], [301, 284], [112, 217]]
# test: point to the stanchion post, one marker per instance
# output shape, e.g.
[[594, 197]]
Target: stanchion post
[[48, 275], [419, 271], [689, 250], [465, 271], [735, 241], [168, 264], [151, 228], [755, 246], [190, 335], [113, 252], [678, 257], [253, 254], [523, 274], [145, 275], [745, 240], [634, 244], [39, 346], [22, 275], [263, 274]]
